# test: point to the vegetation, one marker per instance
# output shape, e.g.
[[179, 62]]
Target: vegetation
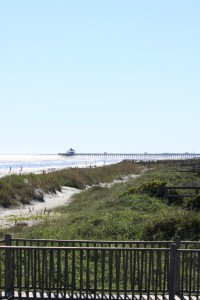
[[22, 189], [136, 209]]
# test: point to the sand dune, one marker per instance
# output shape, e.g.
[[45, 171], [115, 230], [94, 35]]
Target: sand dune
[[10, 217]]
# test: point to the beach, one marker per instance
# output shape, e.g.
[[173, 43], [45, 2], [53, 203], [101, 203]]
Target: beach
[[37, 164], [30, 214]]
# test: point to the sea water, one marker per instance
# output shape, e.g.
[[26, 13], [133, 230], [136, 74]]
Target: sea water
[[43, 162]]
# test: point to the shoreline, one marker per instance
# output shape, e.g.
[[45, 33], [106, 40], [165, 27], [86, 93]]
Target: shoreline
[[39, 170], [27, 171]]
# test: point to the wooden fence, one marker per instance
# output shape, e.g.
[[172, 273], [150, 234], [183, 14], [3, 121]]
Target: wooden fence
[[193, 190], [32, 269]]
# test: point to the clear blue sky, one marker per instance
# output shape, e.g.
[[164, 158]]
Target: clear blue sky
[[99, 75]]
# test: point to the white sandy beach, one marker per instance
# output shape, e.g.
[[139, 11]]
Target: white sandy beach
[[14, 216], [35, 163], [27, 213], [9, 216], [6, 172]]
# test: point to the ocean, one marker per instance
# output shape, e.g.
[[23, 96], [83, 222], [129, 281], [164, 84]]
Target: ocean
[[39, 162]]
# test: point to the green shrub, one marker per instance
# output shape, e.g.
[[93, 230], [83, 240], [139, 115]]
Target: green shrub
[[189, 227], [154, 188], [161, 228], [6, 200], [175, 199], [193, 202]]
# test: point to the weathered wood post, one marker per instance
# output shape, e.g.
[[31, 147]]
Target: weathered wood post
[[9, 289], [172, 272], [166, 192]]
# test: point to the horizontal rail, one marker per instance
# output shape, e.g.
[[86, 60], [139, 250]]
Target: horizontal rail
[[169, 191], [56, 248], [102, 243], [182, 187], [93, 241], [90, 243]]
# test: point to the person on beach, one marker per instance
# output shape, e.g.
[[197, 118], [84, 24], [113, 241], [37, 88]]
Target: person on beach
[[10, 169]]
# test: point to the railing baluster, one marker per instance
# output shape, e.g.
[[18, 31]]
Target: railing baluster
[[118, 271], [131, 274], [95, 272], [20, 266], [102, 272], [145, 269], [73, 273], [141, 274], [198, 275], [51, 264], [34, 272], [110, 272], [1, 269], [158, 270], [126, 273], [134, 272], [66, 272], [59, 271], [42, 278], [27, 283], [166, 271], [190, 273], [88, 273], [193, 273], [149, 272]]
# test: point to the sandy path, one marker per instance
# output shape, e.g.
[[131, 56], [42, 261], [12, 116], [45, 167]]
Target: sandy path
[[10, 217], [31, 214]]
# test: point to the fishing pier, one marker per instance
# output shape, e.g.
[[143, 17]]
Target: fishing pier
[[134, 156]]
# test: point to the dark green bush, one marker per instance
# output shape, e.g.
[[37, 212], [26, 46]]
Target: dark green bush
[[193, 202], [163, 229], [189, 228], [175, 198], [154, 188]]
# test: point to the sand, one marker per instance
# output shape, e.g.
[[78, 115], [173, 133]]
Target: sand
[[30, 214], [25, 214]]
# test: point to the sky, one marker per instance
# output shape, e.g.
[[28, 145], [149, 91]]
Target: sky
[[118, 76]]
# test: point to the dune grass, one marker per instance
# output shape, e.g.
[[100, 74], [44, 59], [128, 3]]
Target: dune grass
[[132, 210], [21, 189]]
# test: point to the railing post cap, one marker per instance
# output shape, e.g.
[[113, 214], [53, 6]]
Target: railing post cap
[[173, 245], [7, 239]]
